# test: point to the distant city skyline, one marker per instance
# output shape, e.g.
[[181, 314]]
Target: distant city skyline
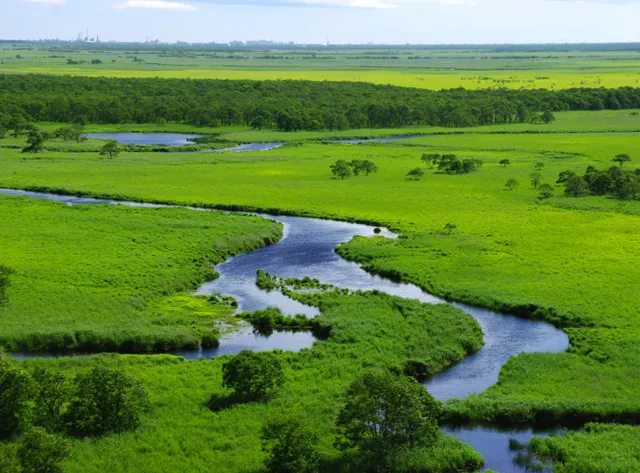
[[316, 21]]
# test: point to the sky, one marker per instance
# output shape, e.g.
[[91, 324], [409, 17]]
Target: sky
[[316, 21]]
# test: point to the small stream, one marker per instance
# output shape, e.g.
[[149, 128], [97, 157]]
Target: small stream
[[307, 249]]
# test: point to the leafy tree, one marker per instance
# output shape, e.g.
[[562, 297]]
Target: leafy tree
[[548, 117], [539, 166], [627, 186], [602, 184], [17, 392], [341, 168], [111, 148], [449, 227], [253, 376], [5, 273], [505, 162], [536, 178], [384, 414], [415, 174], [77, 132], [512, 184], [18, 124], [291, 447], [431, 159], [9, 461], [363, 166], [40, 452], [546, 191], [35, 141], [105, 400], [622, 158], [576, 187], [564, 176], [52, 393]]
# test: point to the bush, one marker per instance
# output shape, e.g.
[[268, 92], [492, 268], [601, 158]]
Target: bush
[[253, 376]]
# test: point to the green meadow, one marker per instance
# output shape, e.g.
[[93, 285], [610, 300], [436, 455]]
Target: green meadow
[[470, 67], [115, 278]]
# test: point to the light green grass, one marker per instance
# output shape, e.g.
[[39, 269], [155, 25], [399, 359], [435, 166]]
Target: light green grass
[[105, 278], [573, 259]]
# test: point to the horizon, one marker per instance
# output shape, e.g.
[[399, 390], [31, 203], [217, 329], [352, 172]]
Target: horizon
[[339, 22]]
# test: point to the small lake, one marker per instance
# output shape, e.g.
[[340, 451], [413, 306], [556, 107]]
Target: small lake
[[159, 139]]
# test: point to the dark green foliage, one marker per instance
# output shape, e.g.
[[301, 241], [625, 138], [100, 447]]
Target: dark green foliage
[[291, 105], [53, 392], [415, 174], [622, 158], [110, 148], [564, 176], [449, 227], [505, 162], [35, 141], [9, 461], [17, 393], [576, 187], [253, 376], [512, 184], [450, 164], [341, 168], [363, 166], [431, 159], [385, 414], [105, 401], [40, 452], [5, 272], [615, 182], [546, 191], [290, 445], [271, 318]]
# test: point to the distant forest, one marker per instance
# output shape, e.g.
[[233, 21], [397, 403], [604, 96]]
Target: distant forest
[[285, 105]]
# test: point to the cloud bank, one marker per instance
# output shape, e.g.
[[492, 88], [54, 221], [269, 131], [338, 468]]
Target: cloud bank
[[154, 5]]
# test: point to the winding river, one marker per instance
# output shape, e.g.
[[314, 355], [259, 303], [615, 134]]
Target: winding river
[[307, 249]]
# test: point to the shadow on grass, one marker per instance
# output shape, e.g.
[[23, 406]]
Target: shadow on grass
[[220, 402]]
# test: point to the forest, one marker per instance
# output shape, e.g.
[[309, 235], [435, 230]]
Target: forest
[[284, 105]]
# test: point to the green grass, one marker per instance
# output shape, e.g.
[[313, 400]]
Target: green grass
[[569, 260], [419, 67], [182, 434], [599, 449], [105, 278]]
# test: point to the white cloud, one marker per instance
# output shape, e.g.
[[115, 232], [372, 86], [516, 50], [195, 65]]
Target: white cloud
[[338, 3], [154, 5], [46, 2]]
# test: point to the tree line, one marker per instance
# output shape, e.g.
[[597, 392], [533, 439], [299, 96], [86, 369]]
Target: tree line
[[284, 105], [615, 181]]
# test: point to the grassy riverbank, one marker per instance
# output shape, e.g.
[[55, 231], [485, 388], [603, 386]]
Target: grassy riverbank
[[181, 434], [106, 278], [568, 260]]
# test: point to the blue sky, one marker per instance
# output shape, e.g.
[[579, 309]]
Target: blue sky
[[313, 21]]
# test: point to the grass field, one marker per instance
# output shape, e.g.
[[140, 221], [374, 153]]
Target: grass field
[[182, 434], [421, 68], [104, 278], [572, 261]]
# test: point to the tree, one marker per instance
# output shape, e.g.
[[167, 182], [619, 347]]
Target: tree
[[35, 141], [546, 191], [384, 414], [77, 132], [564, 176], [291, 447], [536, 178], [415, 174], [449, 227], [512, 184], [431, 159], [5, 272], [17, 392], [538, 166], [627, 186], [111, 148], [104, 401], [365, 166], [505, 162], [576, 187], [253, 376], [341, 168], [548, 117], [52, 393], [622, 158], [40, 452], [602, 184], [9, 461]]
